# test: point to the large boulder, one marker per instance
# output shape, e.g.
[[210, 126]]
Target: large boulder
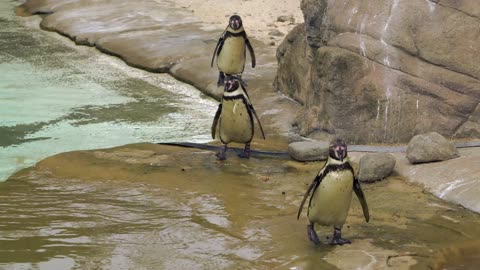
[[430, 147], [308, 150], [384, 70], [376, 166]]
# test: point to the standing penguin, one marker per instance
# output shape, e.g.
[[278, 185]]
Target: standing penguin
[[332, 193], [230, 50], [234, 117]]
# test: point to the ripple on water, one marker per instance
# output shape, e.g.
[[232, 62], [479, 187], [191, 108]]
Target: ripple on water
[[69, 222]]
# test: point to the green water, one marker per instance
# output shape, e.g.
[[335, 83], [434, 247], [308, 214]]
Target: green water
[[57, 97]]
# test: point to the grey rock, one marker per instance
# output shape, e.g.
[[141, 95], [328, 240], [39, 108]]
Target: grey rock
[[377, 166], [455, 180], [315, 12], [285, 18], [293, 72], [276, 33], [430, 147], [308, 150], [384, 73]]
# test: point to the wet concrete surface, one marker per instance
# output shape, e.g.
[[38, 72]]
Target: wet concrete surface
[[149, 206], [455, 180]]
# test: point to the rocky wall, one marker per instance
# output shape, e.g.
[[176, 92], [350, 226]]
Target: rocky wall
[[384, 71]]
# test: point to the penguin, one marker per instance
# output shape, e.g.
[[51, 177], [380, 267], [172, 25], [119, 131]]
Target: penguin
[[234, 117], [230, 50], [332, 193]]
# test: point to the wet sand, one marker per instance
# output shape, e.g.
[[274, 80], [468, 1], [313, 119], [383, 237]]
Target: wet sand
[[266, 20]]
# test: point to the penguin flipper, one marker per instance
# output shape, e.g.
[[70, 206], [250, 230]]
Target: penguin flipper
[[215, 120], [310, 188], [252, 53], [361, 197], [258, 120], [217, 50]]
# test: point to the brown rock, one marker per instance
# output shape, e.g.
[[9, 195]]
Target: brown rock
[[385, 70]]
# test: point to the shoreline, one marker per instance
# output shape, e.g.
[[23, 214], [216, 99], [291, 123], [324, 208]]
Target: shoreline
[[187, 60], [166, 47]]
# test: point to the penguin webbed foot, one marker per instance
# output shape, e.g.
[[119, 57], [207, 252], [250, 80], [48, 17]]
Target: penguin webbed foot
[[246, 152], [337, 238], [312, 235], [222, 154], [340, 241]]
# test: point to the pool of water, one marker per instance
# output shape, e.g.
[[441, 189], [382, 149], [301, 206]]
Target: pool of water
[[57, 97]]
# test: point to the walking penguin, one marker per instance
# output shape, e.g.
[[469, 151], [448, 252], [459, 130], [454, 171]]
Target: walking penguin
[[332, 193], [234, 117], [230, 50]]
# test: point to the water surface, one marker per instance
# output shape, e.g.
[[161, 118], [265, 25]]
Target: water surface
[[57, 97]]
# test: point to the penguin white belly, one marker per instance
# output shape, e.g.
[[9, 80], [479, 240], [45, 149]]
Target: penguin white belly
[[331, 201], [235, 122], [231, 59]]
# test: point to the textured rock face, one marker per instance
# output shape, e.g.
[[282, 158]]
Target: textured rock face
[[384, 71], [430, 147]]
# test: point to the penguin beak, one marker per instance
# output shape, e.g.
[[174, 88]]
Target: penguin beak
[[340, 152], [340, 155]]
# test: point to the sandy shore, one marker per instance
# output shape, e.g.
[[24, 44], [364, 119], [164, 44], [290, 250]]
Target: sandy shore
[[260, 17]]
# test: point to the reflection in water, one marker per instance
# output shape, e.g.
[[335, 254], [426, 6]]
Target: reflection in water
[[223, 217], [104, 225], [157, 207]]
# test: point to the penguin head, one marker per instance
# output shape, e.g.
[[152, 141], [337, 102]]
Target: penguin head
[[231, 83], [235, 22], [338, 149]]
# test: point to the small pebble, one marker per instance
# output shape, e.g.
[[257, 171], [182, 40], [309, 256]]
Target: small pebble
[[276, 32]]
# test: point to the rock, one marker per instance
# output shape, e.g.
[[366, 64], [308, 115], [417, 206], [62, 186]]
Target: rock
[[377, 166], [292, 74], [387, 65], [314, 13], [430, 147], [285, 18], [308, 150], [455, 180], [276, 33]]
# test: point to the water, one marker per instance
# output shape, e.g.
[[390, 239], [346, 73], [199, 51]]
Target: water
[[144, 207], [57, 97]]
